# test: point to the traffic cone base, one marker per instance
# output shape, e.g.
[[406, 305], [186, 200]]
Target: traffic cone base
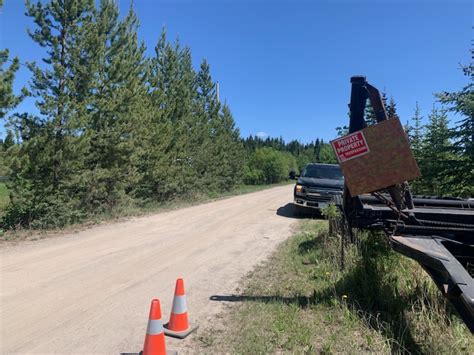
[[179, 325], [168, 352], [182, 334]]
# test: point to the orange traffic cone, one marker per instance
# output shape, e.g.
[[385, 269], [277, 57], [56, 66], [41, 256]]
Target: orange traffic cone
[[155, 336], [179, 325]]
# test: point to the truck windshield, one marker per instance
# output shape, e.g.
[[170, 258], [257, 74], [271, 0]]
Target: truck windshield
[[322, 172]]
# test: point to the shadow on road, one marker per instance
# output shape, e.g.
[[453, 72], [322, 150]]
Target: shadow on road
[[288, 211], [302, 301]]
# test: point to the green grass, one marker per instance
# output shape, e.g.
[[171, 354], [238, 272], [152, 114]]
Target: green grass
[[300, 302], [245, 189]]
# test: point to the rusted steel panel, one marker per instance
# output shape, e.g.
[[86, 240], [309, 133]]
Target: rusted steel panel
[[389, 160]]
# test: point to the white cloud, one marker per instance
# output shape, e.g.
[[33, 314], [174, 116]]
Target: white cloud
[[262, 135]]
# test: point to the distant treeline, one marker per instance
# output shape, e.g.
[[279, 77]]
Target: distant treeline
[[117, 128], [271, 159]]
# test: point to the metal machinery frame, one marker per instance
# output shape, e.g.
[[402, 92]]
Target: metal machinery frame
[[436, 232]]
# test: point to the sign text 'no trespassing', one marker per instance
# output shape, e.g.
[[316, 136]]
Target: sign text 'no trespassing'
[[351, 146]]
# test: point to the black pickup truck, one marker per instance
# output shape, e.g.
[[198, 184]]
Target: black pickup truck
[[316, 187]]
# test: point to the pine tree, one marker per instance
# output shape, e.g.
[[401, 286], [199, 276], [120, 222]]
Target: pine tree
[[219, 150], [317, 151], [416, 132], [416, 137], [281, 143], [391, 108], [43, 177], [462, 102], [436, 156], [8, 149], [327, 154], [117, 111], [158, 143], [172, 93], [369, 114], [294, 147], [249, 144], [114, 126], [9, 140], [8, 100], [206, 92], [230, 152], [206, 127]]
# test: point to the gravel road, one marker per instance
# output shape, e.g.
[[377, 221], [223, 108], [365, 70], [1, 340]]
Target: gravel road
[[89, 292]]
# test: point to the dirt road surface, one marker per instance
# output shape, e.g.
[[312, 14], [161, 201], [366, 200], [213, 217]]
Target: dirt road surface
[[89, 292]]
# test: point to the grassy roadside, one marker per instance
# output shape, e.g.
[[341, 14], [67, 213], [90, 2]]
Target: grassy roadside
[[194, 200], [300, 302], [125, 212]]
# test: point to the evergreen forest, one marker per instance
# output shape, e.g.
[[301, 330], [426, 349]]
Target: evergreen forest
[[115, 127]]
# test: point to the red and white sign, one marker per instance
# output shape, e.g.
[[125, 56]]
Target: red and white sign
[[351, 146]]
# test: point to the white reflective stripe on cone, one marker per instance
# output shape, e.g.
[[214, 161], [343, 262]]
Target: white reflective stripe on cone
[[155, 327], [179, 305]]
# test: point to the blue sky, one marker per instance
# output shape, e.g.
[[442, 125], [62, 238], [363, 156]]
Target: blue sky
[[284, 66]]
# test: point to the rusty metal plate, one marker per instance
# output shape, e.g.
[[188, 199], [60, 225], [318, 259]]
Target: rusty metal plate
[[388, 161]]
